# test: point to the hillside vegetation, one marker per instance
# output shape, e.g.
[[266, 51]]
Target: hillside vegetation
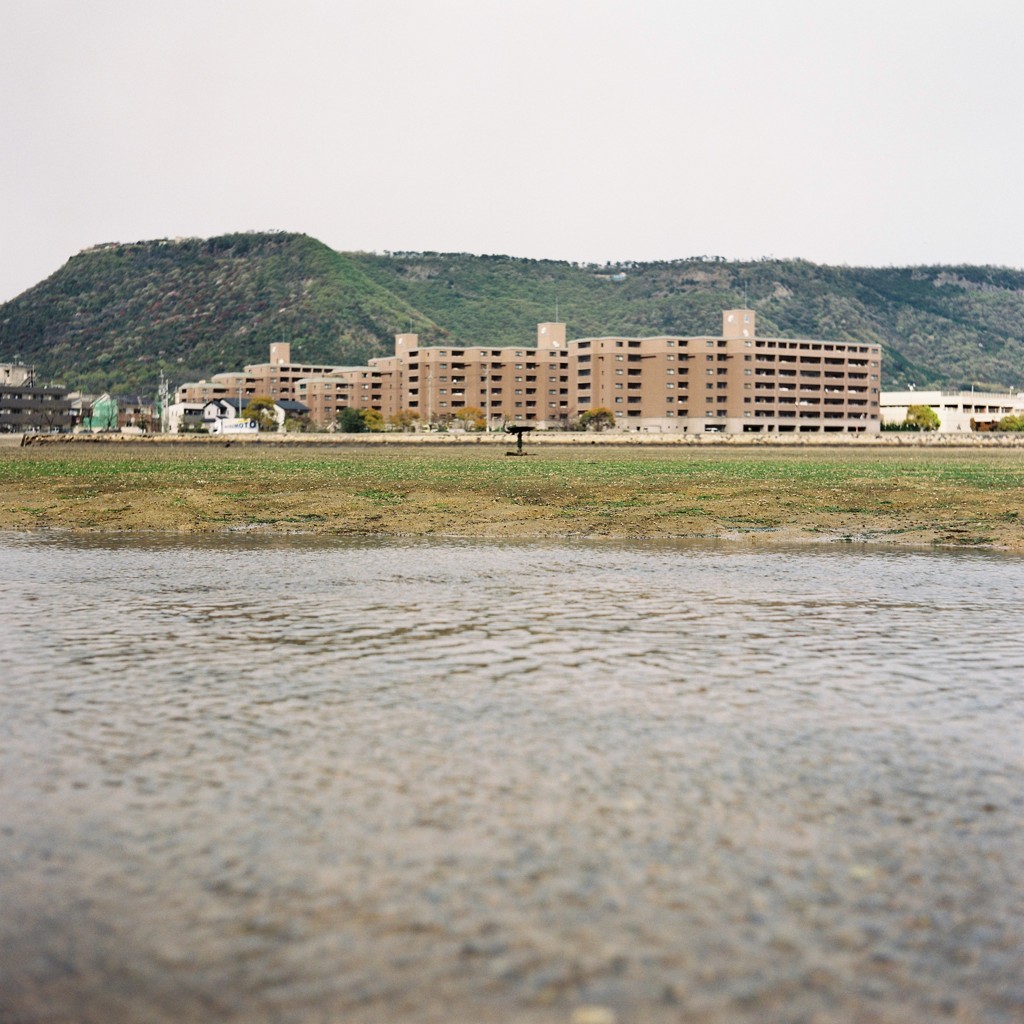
[[116, 315]]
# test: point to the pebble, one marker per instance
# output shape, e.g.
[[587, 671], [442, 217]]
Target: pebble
[[592, 1015]]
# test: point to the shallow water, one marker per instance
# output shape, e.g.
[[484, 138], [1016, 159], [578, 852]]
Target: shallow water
[[295, 780]]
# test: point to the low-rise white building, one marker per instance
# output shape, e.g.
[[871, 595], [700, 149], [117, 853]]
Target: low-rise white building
[[959, 411], [222, 415]]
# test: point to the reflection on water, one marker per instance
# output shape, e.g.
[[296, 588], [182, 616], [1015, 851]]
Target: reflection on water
[[446, 781]]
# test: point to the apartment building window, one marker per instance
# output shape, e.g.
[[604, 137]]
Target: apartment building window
[[618, 399], [670, 385], [670, 371], [619, 359], [710, 373]]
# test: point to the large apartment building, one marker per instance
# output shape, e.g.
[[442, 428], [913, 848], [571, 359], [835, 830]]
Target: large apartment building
[[735, 382], [274, 379], [25, 405]]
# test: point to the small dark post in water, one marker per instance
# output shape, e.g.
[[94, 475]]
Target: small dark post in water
[[518, 431]]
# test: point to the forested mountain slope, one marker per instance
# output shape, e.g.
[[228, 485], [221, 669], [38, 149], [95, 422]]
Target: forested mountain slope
[[115, 316], [939, 326]]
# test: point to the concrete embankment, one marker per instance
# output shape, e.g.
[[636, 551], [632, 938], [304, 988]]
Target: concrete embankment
[[549, 438]]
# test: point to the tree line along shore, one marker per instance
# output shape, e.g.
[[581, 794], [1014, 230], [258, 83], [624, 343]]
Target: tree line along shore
[[894, 494]]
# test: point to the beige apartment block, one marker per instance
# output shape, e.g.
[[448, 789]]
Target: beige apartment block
[[735, 382], [356, 387], [274, 379], [528, 385]]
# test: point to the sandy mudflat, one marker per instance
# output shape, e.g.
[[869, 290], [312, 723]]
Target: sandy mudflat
[[904, 495]]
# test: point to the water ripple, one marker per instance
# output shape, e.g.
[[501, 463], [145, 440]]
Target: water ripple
[[426, 781]]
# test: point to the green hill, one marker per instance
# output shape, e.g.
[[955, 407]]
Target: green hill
[[939, 326], [116, 315]]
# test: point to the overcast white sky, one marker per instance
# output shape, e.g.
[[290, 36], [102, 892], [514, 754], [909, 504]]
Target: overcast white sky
[[869, 132]]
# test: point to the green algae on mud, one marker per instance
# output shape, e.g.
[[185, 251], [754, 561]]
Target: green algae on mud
[[962, 497]]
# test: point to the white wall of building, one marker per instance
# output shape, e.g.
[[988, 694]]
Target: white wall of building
[[956, 409]]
